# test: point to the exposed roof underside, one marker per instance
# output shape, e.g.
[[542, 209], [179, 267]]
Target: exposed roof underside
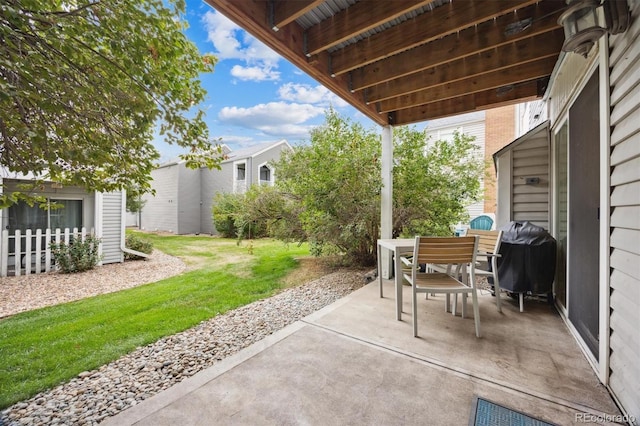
[[405, 61]]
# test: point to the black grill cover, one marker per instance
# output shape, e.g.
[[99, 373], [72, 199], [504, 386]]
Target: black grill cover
[[528, 258]]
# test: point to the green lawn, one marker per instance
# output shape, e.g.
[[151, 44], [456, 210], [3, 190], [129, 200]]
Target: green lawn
[[42, 348]]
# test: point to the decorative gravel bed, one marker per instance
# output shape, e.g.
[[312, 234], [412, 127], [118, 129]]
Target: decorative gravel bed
[[28, 292], [95, 395]]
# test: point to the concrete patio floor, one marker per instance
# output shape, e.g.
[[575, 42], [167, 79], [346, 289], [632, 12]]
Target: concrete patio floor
[[353, 363]]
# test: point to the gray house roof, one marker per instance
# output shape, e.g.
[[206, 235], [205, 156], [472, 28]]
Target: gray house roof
[[253, 151]]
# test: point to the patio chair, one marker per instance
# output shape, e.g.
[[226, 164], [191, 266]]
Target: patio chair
[[481, 222], [487, 255], [444, 251]]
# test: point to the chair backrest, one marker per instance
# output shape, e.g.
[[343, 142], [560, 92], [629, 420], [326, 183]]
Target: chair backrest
[[445, 250], [488, 241], [481, 222]]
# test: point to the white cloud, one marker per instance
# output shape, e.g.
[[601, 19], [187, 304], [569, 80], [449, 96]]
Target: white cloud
[[279, 119], [305, 93], [254, 73], [232, 42]]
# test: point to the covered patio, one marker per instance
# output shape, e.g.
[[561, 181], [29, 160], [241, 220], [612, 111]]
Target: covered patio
[[354, 363], [403, 62]]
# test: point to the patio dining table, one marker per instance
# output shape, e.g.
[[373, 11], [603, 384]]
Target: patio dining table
[[397, 247]]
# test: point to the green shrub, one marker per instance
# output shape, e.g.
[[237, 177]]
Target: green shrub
[[138, 244], [78, 255], [224, 211]]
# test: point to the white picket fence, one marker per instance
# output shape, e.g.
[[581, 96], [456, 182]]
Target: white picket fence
[[31, 252]]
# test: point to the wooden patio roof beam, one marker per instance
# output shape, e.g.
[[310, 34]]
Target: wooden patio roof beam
[[544, 17], [357, 19], [523, 51], [493, 98], [446, 19], [285, 12], [505, 77]]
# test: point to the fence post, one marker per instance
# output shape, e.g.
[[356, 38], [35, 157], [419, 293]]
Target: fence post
[[38, 251], [17, 251], [47, 251], [27, 252], [4, 261]]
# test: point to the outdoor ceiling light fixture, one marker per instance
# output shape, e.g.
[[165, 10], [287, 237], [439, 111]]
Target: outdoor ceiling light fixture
[[584, 22]]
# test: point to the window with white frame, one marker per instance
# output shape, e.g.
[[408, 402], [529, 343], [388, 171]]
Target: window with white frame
[[62, 214], [266, 175], [241, 171], [240, 176]]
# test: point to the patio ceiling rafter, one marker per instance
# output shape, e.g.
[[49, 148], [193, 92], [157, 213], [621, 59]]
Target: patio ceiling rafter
[[403, 61]]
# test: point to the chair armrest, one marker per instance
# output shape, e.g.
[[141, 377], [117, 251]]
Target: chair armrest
[[488, 254], [406, 261]]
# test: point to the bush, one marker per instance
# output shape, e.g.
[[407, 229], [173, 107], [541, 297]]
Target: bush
[[78, 255], [138, 244], [225, 208], [230, 218]]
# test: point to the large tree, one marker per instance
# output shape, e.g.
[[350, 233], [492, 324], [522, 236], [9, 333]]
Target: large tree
[[328, 192], [433, 182], [84, 84]]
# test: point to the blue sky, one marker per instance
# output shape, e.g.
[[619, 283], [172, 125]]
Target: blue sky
[[254, 96]]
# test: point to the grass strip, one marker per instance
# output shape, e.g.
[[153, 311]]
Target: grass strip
[[43, 348]]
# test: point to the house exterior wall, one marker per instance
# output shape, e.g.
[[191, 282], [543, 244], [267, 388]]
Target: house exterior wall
[[265, 158], [101, 214], [617, 59], [518, 200], [160, 212], [213, 182], [64, 193], [184, 197], [624, 280], [112, 227], [530, 202], [188, 209]]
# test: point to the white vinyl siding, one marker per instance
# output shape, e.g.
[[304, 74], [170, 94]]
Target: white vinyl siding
[[530, 202], [160, 211], [519, 199], [624, 361], [112, 227], [213, 182], [188, 209]]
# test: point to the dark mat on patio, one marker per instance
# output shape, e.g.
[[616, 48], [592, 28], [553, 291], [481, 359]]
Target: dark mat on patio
[[487, 413]]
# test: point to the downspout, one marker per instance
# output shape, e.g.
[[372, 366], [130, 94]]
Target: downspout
[[134, 252], [97, 221]]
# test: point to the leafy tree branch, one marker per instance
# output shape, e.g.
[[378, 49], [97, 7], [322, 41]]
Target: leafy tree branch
[[83, 86]]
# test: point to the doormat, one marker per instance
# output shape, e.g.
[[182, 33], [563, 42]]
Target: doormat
[[487, 413]]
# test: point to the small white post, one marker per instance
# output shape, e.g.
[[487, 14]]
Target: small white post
[[27, 252], [17, 251], [47, 252], [38, 251], [4, 261]]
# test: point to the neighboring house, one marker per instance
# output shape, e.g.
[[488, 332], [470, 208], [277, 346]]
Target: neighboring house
[[577, 173], [492, 129], [100, 213], [184, 197]]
